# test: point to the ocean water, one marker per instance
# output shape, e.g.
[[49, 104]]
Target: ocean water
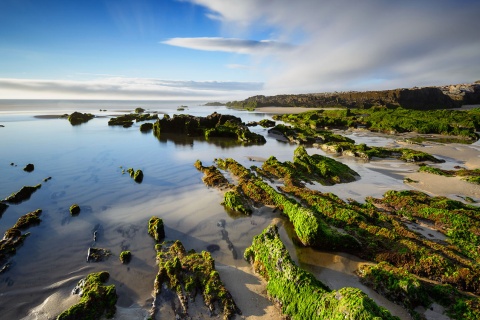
[[85, 164]]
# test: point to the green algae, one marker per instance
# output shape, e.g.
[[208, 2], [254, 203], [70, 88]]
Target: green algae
[[28, 220], [234, 200], [156, 228], [97, 300], [299, 293], [190, 273], [23, 194], [472, 176]]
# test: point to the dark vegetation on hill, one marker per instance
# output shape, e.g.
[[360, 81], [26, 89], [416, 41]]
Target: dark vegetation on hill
[[427, 98]]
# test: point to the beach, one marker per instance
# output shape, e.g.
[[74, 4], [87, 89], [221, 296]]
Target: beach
[[86, 163]]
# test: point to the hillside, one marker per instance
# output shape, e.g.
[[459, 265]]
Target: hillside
[[427, 98]]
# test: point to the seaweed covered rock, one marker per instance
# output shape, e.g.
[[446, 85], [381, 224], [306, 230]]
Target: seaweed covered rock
[[97, 299], [78, 118], [74, 209], [28, 220], [125, 256], [13, 237], [266, 123], [235, 200], [212, 177], [136, 175], [127, 120], [156, 228], [23, 194], [213, 126], [299, 293], [189, 274], [146, 127], [97, 254]]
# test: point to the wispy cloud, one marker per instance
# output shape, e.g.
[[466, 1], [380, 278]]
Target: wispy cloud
[[230, 45], [345, 46], [124, 88]]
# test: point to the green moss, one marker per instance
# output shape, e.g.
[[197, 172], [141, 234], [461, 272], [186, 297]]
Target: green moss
[[156, 228], [125, 257], [127, 120], [74, 209], [235, 201], [191, 273], [299, 293], [437, 171], [97, 300], [136, 175], [212, 176]]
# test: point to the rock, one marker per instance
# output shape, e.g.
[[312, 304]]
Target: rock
[[78, 118], [74, 209], [28, 220], [97, 300], [125, 257], [156, 228], [23, 194], [146, 127], [97, 254], [29, 167]]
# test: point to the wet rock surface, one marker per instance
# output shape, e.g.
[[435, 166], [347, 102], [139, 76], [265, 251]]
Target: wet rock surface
[[23, 194]]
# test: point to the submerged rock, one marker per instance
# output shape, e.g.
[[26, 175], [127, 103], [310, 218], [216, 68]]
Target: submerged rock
[[299, 293], [97, 254], [23, 194], [97, 300]]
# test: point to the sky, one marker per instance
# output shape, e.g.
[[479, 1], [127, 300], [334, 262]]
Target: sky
[[232, 49]]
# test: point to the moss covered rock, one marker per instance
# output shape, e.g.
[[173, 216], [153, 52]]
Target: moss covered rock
[[74, 209], [299, 293], [136, 175], [156, 228], [23, 194], [28, 220], [97, 299], [125, 257], [189, 274], [29, 167], [212, 176], [78, 118]]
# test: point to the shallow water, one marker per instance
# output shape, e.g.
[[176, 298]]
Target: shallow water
[[86, 163]]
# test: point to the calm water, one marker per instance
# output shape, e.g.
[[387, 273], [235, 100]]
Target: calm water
[[85, 163]]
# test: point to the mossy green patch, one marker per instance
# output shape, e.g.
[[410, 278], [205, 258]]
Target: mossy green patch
[[299, 293], [74, 209], [97, 300], [125, 256]]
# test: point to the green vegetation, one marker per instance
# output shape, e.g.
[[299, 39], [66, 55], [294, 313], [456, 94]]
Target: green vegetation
[[74, 209], [190, 273], [397, 284], [156, 228], [125, 256], [266, 123], [463, 124], [472, 176], [28, 220], [300, 294], [78, 118], [139, 110], [245, 105], [212, 177], [23, 194], [97, 300], [235, 200]]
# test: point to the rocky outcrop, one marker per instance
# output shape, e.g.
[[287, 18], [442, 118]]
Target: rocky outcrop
[[23, 194], [427, 98], [78, 118]]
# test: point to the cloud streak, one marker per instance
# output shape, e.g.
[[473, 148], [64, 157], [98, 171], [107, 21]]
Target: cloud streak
[[230, 45], [344, 46], [124, 88]]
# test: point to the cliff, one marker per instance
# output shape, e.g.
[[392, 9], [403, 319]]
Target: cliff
[[428, 98]]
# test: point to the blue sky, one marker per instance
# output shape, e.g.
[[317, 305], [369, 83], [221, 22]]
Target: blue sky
[[229, 49]]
